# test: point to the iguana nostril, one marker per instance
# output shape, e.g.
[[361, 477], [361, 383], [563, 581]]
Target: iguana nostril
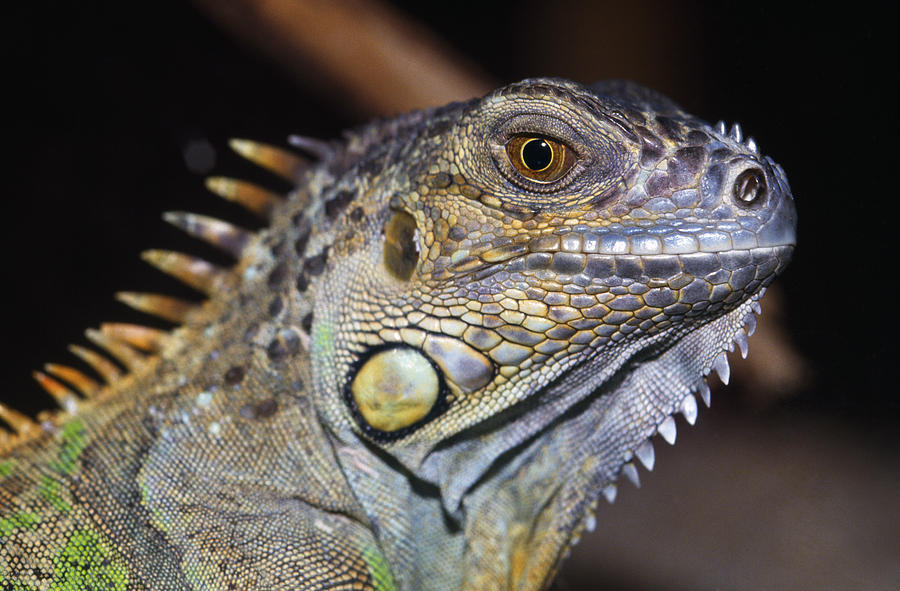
[[750, 187]]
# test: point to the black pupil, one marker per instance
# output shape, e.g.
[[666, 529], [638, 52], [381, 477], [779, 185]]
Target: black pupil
[[537, 154]]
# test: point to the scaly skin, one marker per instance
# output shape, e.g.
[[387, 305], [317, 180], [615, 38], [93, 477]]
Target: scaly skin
[[426, 370]]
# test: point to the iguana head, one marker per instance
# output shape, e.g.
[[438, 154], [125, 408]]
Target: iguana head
[[529, 286]]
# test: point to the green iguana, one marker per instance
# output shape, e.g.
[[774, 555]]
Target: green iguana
[[456, 333]]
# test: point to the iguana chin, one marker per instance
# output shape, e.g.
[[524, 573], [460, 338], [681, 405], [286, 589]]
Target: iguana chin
[[460, 330]]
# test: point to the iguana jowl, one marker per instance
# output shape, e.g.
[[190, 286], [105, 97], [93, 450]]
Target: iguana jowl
[[455, 335]]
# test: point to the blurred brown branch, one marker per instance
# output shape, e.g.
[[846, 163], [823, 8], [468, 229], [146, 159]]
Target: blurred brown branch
[[370, 55]]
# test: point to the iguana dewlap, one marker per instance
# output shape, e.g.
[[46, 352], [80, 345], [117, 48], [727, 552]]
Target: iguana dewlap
[[455, 335]]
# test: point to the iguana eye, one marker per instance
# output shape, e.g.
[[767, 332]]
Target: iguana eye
[[538, 158]]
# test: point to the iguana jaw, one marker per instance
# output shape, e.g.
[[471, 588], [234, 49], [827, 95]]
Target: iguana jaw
[[597, 442]]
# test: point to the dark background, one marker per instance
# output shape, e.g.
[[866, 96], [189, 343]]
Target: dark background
[[104, 100]]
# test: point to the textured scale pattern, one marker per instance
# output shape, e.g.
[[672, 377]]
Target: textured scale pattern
[[423, 374]]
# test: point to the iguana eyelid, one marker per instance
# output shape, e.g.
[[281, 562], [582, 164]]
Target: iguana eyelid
[[539, 124]]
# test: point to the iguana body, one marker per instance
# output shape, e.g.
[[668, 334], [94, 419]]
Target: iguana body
[[453, 337]]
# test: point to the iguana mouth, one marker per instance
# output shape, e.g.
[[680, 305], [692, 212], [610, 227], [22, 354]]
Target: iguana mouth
[[590, 255]]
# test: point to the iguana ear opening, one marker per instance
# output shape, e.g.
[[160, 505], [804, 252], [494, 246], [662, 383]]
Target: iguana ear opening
[[401, 245]]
